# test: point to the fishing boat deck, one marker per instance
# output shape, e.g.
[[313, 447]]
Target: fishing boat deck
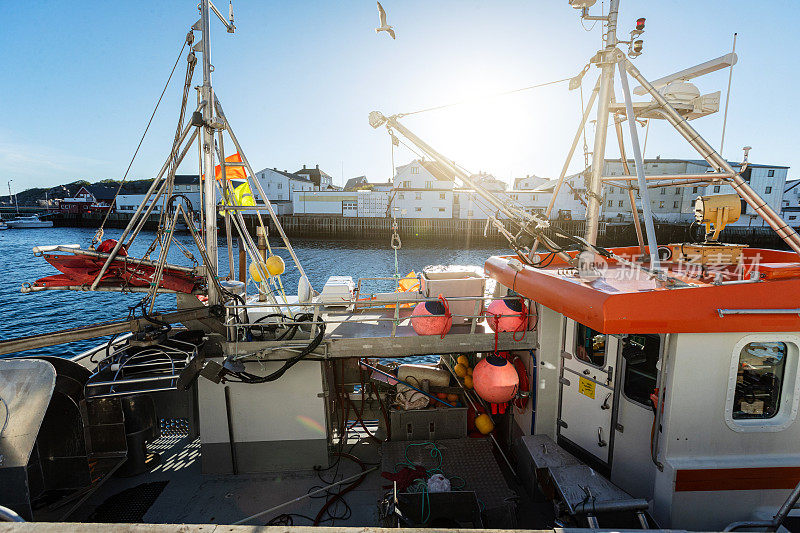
[[175, 492]]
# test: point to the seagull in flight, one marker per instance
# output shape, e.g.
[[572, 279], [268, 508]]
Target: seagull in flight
[[382, 19]]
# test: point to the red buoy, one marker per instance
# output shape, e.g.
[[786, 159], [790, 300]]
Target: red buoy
[[108, 245], [495, 379], [432, 318], [509, 314]]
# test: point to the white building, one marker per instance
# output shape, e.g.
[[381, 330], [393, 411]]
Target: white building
[[676, 203], [312, 202], [467, 204], [422, 189], [373, 203], [791, 194], [279, 186], [187, 183], [790, 210], [529, 182], [570, 203], [488, 182], [129, 203], [321, 180]]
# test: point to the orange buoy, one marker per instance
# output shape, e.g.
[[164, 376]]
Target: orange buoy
[[508, 314], [432, 318], [495, 379]]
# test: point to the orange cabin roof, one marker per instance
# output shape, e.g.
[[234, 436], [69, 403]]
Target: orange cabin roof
[[629, 300]]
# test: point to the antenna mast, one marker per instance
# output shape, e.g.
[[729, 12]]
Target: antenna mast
[[606, 58], [207, 140], [209, 128]]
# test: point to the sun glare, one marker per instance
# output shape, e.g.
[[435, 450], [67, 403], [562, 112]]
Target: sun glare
[[505, 135]]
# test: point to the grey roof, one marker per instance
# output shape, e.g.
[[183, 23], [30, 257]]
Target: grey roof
[[313, 174], [187, 179], [102, 191], [791, 185], [354, 182], [286, 173]]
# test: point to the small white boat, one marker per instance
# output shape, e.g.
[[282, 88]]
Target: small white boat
[[29, 222]]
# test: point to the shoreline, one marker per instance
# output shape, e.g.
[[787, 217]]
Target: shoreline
[[440, 230]]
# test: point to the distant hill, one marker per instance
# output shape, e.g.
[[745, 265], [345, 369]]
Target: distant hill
[[68, 190]]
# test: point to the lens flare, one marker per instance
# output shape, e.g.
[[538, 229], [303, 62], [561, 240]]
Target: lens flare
[[311, 424]]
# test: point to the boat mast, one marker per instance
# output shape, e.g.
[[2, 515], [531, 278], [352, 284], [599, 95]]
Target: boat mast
[[606, 58], [207, 142]]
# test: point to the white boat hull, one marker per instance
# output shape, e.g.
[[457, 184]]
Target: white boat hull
[[29, 224]]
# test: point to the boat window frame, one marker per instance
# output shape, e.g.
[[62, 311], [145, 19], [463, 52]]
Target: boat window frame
[[575, 346], [624, 372], [789, 398]]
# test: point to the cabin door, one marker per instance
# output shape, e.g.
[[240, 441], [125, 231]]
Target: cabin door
[[587, 389]]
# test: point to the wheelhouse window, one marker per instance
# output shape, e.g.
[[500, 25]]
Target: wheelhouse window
[[759, 380], [590, 345], [641, 353]]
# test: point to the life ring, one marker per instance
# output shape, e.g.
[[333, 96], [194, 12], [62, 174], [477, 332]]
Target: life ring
[[523, 393]]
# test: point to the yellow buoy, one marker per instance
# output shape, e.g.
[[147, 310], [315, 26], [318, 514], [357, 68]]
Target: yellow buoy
[[460, 370], [468, 381], [255, 273], [484, 424], [463, 360], [469, 371], [275, 265]]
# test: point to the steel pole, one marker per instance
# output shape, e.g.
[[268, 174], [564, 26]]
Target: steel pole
[[727, 98], [631, 197], [209, 197], [649, 227], [98, 330], [607, 62]]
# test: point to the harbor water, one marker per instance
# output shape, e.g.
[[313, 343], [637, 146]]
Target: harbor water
[[48, 311]]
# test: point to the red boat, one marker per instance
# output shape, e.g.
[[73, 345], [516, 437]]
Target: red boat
[[79, 268]]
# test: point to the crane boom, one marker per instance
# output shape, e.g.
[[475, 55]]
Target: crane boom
[[520, 216]]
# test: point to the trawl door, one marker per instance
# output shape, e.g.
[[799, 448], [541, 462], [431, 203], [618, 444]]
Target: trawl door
[[587, 389]]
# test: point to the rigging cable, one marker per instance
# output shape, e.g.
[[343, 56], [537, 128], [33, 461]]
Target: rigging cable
[[99, 234], [505, 93]]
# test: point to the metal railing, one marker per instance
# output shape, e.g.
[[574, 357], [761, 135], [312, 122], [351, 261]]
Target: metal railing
[[132, 370], [375, 308]]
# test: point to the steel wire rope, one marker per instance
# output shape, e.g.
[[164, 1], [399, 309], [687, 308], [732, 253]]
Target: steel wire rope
[[173, 156], [495, 95], [99, 234]]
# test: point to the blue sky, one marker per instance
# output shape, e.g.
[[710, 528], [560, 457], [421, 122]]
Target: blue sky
[[298, 80]]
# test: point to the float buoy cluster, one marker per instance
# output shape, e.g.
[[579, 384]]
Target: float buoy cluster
[[464, 370], [274, 266]]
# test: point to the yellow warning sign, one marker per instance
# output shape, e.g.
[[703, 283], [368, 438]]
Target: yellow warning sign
[[586, 387]]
